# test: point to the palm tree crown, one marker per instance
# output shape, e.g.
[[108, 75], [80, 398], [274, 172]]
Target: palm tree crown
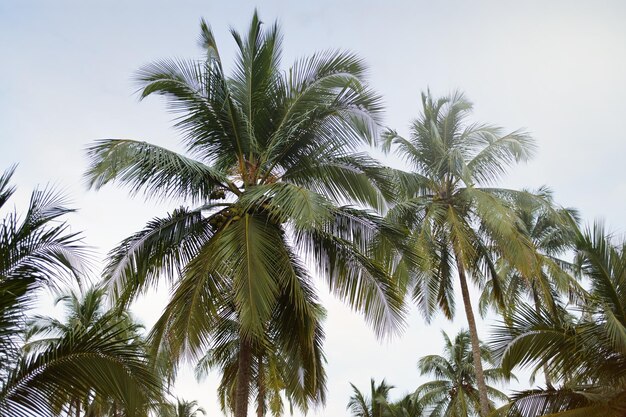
[[552, 230], [114, 372]]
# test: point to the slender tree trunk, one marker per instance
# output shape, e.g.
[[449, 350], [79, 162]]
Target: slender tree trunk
[[242, 391], [471, 321], [260, 407], [538, 311]]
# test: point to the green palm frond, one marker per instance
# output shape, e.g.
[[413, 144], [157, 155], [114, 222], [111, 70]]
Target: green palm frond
[[586, 351], [154, 170], [37, 250], [162, 248], [376, 404]]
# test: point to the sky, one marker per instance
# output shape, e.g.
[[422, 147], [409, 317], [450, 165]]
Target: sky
[[556, 69]]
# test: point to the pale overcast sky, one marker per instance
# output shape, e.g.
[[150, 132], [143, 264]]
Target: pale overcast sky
[[556, 68]]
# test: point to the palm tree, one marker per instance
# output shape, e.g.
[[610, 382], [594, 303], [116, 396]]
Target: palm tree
[[273, 169], [453, 393], [85, 314], [407, 406], [374, 405], [272, 367], [457, 224], [583, 351], [552, 231], [36, 251], [184, 408]]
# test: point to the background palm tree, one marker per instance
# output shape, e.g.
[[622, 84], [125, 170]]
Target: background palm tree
[[273, 160], [584, 351], [120, 340], [456, 224], [37, 250], [407, 406], [454, 393], [276, 365], [552, 230], [376, 404], [184, 408]]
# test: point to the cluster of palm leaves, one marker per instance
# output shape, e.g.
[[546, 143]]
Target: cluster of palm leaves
[[277, 190], [582, 348]]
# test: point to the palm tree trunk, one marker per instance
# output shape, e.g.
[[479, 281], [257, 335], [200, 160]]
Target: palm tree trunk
[[538, 311], [471, 322], [260, 407], [242, 391]]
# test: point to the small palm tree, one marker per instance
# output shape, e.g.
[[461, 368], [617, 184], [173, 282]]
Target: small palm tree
[[552, 230], [273, 167], [273, 364], [112, 338], [454, 392], [374, 405], [184, 408], [459, 222], [586, 351], [407, 406]]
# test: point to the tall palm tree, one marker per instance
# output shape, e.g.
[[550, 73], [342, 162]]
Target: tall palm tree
[[86, 314], [453, 393], [273, 168], [583, 351], [374, 405], [459, 222]]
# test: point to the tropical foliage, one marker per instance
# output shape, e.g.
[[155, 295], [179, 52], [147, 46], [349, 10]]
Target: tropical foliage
[[184, 408], [378, 404], [584, 350], [552, 230], [374, 404], [115, 341], [274, 367], [38, 251], [274, 188]]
